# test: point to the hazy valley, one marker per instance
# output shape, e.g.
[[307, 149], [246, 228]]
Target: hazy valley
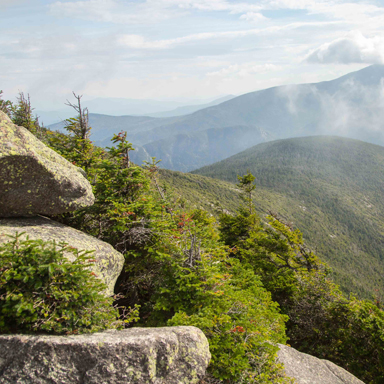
[[350, 106], [191, 191]]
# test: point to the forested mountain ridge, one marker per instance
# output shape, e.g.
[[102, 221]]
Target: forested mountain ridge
[[350, 106], [246, 282], [331, 188]]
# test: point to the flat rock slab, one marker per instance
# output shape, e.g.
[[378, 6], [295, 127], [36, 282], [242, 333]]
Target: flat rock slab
[[109, 263], [307, 369], [34, 179], [172, 355]]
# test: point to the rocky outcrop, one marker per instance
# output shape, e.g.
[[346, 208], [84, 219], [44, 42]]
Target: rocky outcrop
[[173, 355], [109, 262], [35, 179], [307, 369]]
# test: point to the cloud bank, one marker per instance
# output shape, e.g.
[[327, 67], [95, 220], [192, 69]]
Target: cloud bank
[[181, 48], [354, 48]]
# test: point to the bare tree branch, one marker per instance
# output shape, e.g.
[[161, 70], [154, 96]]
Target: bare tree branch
[[83, 116]]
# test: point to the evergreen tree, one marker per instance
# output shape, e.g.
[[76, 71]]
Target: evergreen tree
[[181, 273], [322, 321], [22, 114], [5, 105], [247, 186]]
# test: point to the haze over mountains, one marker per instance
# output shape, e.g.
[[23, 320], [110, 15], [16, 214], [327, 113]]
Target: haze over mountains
[[135, 107], [350, 106]]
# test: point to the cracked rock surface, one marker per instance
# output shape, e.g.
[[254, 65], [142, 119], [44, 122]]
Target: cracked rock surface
[[307, 369], [170, 355], [34, 179]]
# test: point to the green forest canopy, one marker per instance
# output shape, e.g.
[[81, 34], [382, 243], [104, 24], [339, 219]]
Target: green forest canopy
[[245, 283], [329, 187]]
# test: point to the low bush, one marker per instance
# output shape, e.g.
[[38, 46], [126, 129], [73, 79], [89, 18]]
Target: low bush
[[240, 320], [349, 332], [42, 291]]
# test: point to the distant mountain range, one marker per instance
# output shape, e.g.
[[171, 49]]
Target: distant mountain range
[[332, 189], [350, 106], [134, 107], [188, 109]]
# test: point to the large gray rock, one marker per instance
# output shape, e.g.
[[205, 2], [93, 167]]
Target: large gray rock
[[307, 369], [173, 355], [109, 263], [35, 179]]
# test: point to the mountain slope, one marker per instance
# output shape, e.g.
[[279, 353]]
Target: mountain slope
[[213, 144], [138, 127], [350, 106], [110, 106], [129, 107], [332, 189], [188, 109]]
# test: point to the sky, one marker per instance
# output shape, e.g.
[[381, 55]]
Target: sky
[[180, 49]]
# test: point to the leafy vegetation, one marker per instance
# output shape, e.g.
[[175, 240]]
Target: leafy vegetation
[[41, 291], [5, 105], [247, 283], [349, 332], [322, 321], [330, 188]]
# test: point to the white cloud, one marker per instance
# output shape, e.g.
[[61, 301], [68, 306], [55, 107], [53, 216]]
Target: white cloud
[[354, 48], [204, 46], [120, 12], [139, 42], [292, 4], [214, 5], [113, 11], [344, 111], [56, 64], [364, 15], [253, 16], [88, 9]]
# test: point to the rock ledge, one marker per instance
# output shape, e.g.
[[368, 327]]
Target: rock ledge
[[307, 369], [171, 355], [34, 179]]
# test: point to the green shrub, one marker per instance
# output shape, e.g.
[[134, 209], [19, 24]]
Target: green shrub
[[349, 332], [230, 305], [240, 325], [42, 291], [179, 272]]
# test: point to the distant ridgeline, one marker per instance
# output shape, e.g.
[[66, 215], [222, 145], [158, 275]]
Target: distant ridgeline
[[247, 285], [330, 187], [334, 199], [349, 106]]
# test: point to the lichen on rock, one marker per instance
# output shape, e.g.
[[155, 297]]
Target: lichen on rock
[[171, 355], [35, 179]]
